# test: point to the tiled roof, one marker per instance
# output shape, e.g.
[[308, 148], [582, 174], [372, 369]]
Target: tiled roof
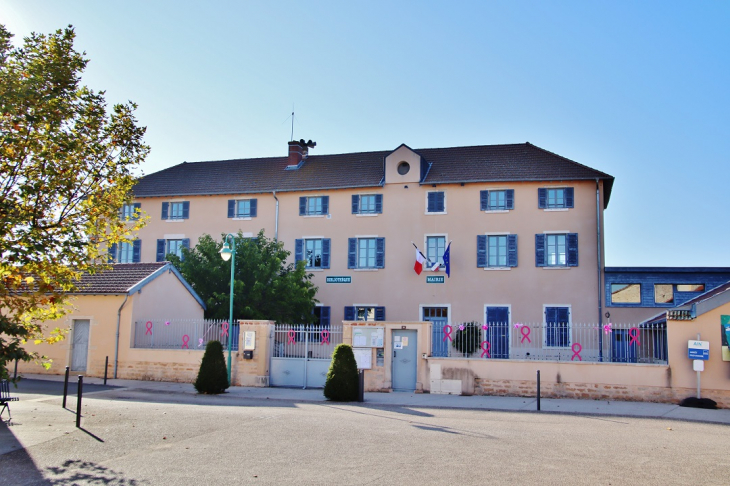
[[484, 163], [119, 279]]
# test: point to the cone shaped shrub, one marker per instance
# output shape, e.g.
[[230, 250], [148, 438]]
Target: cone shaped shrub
[[213, 374], [342, 379]]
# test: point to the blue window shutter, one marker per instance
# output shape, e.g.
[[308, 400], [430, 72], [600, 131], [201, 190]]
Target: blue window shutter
[[137, 251], [563, 314], [568, 197], [165, 207], [431, 202], [509, 198], [325, 204], [161, 250], [572, 243], [551, 315], [113, 253], [325, 252], [186, 243], [349, 313], [253, 205], [137, 209], [186, 209], [355, 203], [539, 250], [481, 251], [379, 203], [380, 313], [542, 198], [302, 206], [483, 200], [440, 202], [498, 315], [512, 250], [352, 253], [231, 208], [380, 253], [324, 316], [298, 250]]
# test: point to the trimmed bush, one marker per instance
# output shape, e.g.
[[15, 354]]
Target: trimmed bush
[[342, 379], [469, 339], [213, 374]]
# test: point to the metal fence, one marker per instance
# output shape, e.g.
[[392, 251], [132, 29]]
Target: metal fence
[[559, 341], [184, 334], [305, 341]]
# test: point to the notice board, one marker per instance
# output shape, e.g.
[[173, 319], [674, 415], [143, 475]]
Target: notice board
[[367, 337]]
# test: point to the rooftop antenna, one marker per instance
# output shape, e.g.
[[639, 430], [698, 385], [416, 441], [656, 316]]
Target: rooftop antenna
[[292, 122]]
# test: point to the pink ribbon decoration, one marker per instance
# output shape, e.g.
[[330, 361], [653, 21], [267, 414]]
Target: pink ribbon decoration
[[634, 337], [576, 352], [186, 340], [200, 342], [291, 335], [485, 326], [607, 328], [525, 335], [447, 333], [325, 336], [485, 349], [167, 323], [149, 328], [461, 327], [224, 332], [518, 325]]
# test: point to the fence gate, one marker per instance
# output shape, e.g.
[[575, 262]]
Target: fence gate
[[301, 354]]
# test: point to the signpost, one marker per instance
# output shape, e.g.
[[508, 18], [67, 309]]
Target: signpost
[[699, 351]]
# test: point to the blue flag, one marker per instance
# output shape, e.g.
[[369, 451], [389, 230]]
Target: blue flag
[[447, 260]]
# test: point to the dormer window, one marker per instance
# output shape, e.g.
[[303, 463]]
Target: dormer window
[[403, 168]]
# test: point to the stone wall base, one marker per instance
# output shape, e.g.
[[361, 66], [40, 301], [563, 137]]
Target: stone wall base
[[592, 391]]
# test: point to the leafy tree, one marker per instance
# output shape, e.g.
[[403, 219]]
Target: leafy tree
[[265, 286], [469, 339], [342, 379], [65, 171], [213, 374]]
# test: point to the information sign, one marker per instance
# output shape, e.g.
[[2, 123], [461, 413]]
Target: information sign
[[698, 350]]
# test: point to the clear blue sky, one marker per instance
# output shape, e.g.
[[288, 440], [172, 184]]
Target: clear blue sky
[[640, 90]]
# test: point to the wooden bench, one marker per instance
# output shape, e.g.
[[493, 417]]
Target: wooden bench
[[5, 397]]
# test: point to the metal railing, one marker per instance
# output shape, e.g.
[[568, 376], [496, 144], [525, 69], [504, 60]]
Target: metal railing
[[183, 334], [559, 341], [306, 341]]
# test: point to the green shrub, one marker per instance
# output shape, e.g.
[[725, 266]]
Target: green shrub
[[469, 339], [342, 379], [213, 375]]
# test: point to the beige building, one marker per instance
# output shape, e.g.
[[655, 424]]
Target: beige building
[[525, 228], [105, 311]]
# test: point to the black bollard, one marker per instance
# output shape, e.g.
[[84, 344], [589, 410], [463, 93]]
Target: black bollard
[[65, 388], [106, 368], [538, 390], [361, 386], [78, 402]]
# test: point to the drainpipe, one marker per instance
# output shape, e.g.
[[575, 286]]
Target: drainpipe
[[116, 344], [598, 269], [276, 224]]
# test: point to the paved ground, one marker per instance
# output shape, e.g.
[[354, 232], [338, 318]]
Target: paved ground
[[163, 433]]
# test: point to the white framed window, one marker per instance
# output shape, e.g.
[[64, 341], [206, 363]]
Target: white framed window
[[435, 248], [436, 202], [558, 326], [130, 211], [126, 252], [314, 205]]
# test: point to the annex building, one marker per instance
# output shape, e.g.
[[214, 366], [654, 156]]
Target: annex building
[[525, 228]]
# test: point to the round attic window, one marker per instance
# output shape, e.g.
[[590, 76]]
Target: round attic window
[[403, 168]]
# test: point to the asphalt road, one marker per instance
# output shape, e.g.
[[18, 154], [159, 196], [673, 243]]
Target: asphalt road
[[149, 437]]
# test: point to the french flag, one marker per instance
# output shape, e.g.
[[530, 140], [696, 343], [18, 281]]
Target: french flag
[[420, 259]]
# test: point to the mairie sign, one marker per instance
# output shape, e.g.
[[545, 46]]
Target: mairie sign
[[435, 279], [347, 279]]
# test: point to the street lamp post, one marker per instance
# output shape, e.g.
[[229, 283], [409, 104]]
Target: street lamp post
[[227, 252]]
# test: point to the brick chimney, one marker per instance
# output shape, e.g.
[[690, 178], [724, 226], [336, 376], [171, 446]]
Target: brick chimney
[[295, 153], [299, 151]]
